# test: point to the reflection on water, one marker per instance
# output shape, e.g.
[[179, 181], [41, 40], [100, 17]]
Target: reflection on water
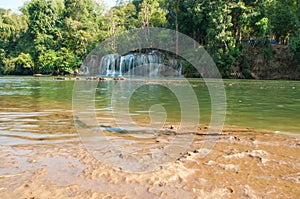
[[41, 110]]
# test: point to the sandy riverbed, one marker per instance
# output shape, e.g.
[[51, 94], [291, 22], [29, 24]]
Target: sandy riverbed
[[243, 164]]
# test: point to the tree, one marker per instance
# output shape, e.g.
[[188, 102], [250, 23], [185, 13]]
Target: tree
[[48, 62], [151, 14], [58, 34], [295, 50], [23, 64], [78, 28], [122, 18], [68, 61], [12, 26], [43, 31], [284, 21]]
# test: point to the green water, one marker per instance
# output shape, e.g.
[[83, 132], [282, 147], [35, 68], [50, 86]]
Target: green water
[[273, 105], [32, 107], [265, 105]]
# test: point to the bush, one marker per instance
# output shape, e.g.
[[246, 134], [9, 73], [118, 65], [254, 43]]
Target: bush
[[294, 46], [48, 61], [21, 65]]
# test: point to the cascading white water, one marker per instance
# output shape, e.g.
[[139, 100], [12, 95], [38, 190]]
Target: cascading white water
[[122, 61], [109, 64], [149, 64]]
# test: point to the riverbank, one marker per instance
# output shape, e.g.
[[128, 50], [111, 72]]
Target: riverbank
[[261, 63], [244, 163]]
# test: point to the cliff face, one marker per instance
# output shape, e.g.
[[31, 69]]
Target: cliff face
[[260, 62]]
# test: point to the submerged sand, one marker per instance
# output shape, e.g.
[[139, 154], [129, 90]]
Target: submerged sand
[[243, 164]]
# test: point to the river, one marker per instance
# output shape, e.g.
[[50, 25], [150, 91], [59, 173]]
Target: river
[[33, 109]]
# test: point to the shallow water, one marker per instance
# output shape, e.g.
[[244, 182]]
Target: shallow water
[[34, 110], [270, 105]]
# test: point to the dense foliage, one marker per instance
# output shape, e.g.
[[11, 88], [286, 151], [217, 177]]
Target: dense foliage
[[54, 36]]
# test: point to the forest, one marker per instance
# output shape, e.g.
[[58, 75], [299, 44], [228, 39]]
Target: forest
[[47, 36]]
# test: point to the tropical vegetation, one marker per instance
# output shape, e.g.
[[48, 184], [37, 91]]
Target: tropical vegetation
[[54, 36]]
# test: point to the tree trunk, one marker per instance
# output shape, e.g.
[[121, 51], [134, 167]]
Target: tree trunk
[[177, 27], [112, 30]]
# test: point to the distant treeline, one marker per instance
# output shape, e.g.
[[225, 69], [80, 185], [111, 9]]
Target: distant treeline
[[54, 36]]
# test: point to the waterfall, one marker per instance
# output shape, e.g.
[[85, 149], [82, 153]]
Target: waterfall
[[109, 65], [122, 62], [153, 63]]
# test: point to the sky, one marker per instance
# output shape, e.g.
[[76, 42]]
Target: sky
[[15, 4]]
